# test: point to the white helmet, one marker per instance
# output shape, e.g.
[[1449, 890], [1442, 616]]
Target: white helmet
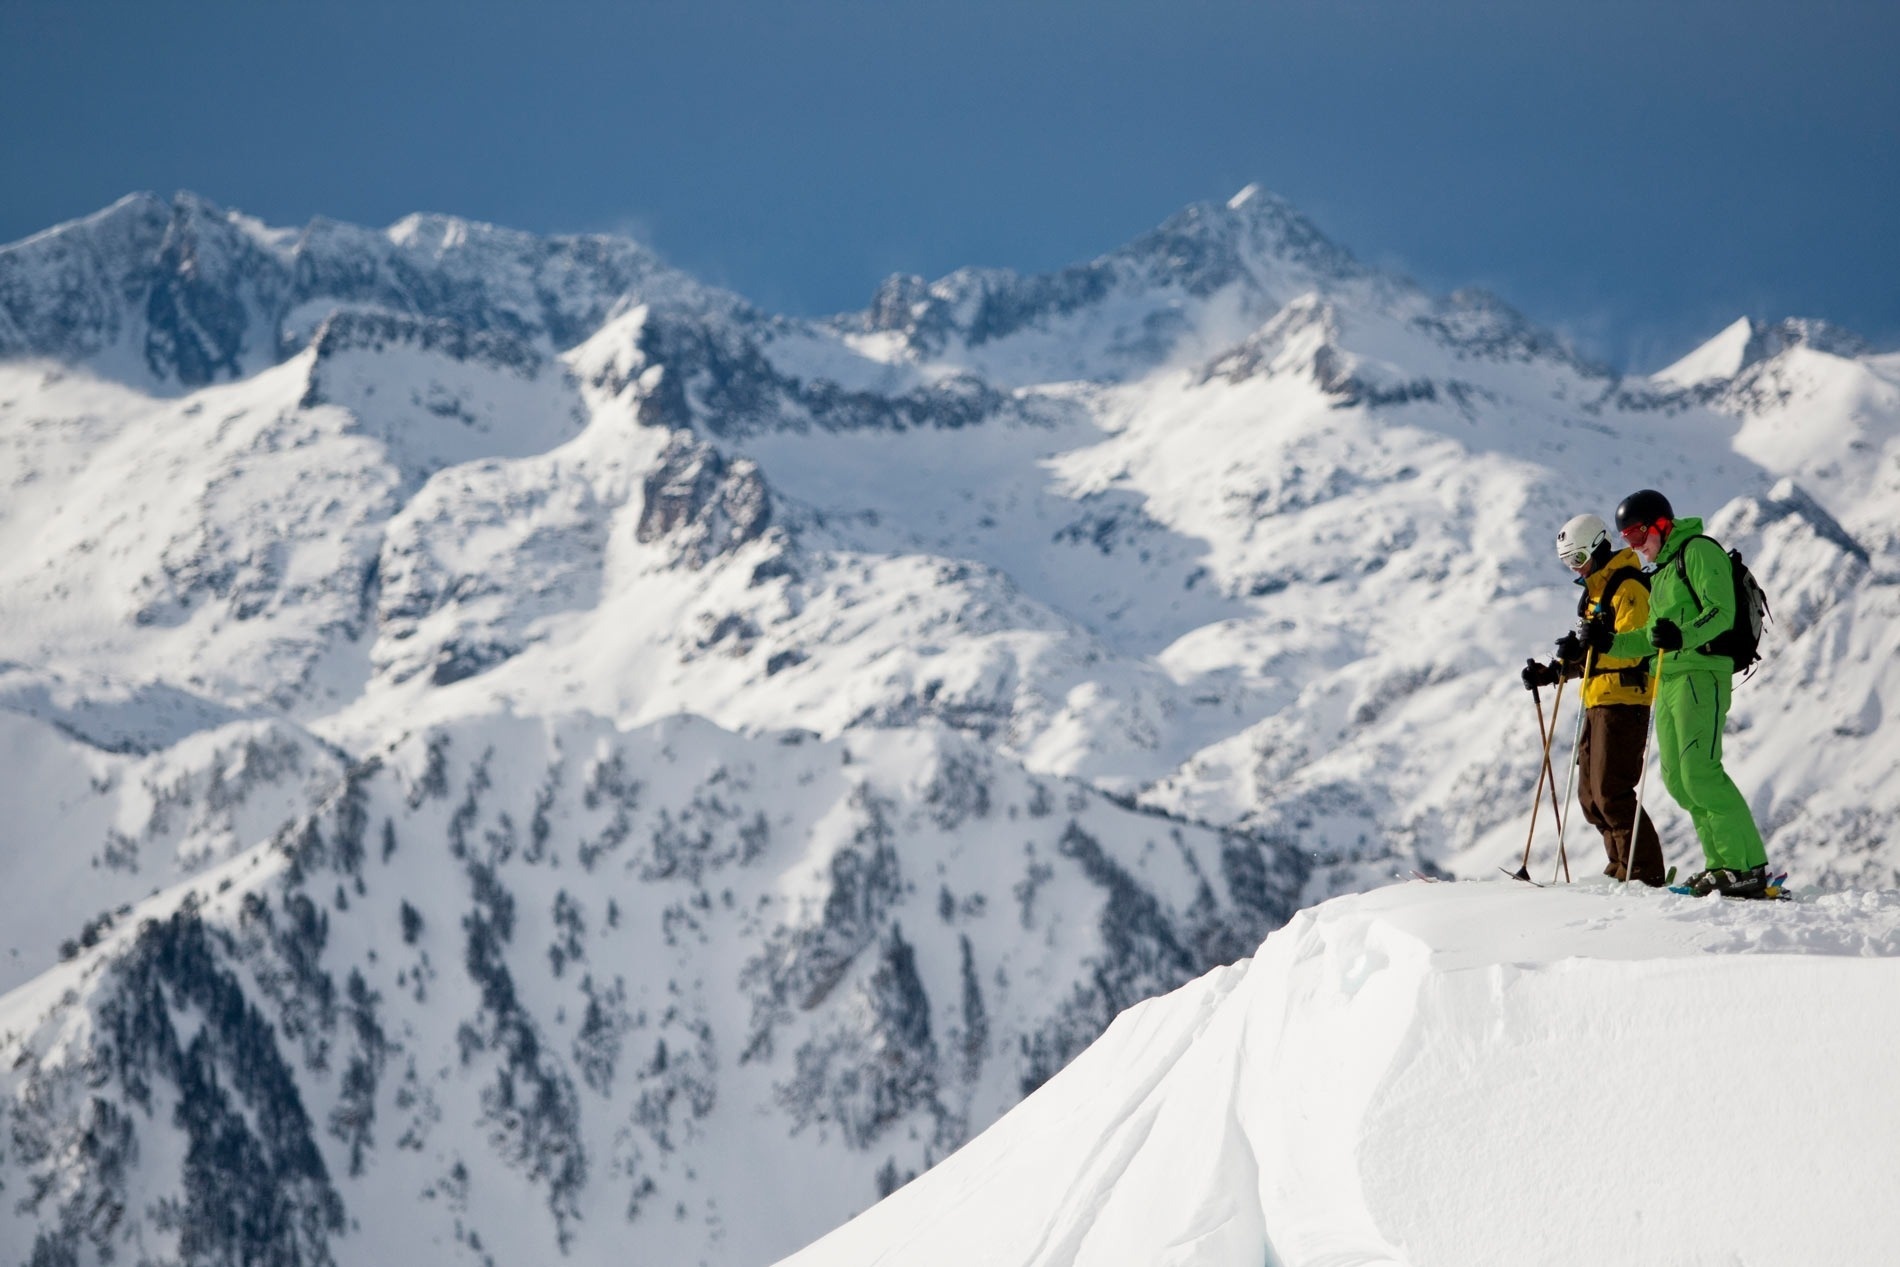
[[1579, 539]]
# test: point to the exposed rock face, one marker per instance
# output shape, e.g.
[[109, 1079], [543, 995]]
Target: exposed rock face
[[719, 380], [375, 331], [212, 293], [1476, 323], [69, 293], [1255, 242], [705, 504], [1306, 328], [211, 296], [1770, 340]]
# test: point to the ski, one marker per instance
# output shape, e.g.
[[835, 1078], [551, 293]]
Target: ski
[[1520, 875]]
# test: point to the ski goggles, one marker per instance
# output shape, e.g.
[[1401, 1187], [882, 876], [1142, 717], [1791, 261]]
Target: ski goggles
[[1636, 534], [1575, 559]]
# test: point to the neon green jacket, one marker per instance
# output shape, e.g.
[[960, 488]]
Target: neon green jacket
[[1669, 599]]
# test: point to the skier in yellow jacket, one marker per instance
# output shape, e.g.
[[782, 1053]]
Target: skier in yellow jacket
[[1617, 693]]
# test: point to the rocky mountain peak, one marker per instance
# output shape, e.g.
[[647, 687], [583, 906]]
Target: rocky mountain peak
[[1255, 232], [1767, 341], [183, 293], [1254, 245], [434, 231], [1475, 322], [1745, 343]]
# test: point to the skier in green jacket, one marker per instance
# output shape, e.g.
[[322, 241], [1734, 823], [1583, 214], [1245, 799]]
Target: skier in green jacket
[[1692, 697]]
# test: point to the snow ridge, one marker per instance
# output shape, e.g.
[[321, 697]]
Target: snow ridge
[[1417, 1075]]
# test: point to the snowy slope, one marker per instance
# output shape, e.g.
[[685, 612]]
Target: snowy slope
[[98, 816], [1222, 538], [1718, 360], [1459, 1073], [541, 987]]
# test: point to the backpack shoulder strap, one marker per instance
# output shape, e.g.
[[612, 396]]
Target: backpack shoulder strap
[[1682, 565], [1615, 581], [1630, 573]]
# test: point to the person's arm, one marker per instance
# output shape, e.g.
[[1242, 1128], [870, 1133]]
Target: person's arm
[[1632, 644]]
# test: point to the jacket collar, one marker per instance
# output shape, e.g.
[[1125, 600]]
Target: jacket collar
[[1678, 538], [1624, 558]]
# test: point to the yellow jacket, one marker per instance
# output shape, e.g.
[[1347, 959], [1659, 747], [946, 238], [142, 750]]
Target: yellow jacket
[[1611, 679]]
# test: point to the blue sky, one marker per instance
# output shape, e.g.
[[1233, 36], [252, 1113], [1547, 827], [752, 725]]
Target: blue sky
[[1636, 174]]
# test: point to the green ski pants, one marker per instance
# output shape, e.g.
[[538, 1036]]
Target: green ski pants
[[1691, 709]]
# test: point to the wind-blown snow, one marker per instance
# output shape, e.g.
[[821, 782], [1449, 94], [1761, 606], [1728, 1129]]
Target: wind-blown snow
[[1460, 1073]]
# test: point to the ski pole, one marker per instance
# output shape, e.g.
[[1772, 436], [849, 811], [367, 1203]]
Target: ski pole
[[1537, 797], [1524, 868], [1576, 771], [1643, 777], [1550, 777]]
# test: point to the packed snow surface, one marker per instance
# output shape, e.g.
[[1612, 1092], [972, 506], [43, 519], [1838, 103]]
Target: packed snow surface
[[1458, 1073]]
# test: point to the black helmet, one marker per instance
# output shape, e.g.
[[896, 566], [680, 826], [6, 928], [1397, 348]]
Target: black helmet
[[1642, 508]]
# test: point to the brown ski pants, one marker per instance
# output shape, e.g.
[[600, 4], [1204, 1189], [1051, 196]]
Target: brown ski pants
[[1609, 762]]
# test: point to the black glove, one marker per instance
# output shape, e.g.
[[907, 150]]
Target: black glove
[[1570, 651], [1536, 675], [1597, 633], [1665, 635]]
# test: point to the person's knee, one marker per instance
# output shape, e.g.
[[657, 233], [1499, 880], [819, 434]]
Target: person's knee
[[1705, 784], [1619, 817], [1675, 784], [1593, 807]]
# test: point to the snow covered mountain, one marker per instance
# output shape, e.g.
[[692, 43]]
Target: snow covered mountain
[[563, 984], [913, 690]]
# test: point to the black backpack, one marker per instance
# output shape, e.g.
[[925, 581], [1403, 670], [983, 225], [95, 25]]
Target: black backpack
[[1740, 642]]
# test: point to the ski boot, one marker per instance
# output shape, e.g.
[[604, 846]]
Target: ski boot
[[1729, 882]]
